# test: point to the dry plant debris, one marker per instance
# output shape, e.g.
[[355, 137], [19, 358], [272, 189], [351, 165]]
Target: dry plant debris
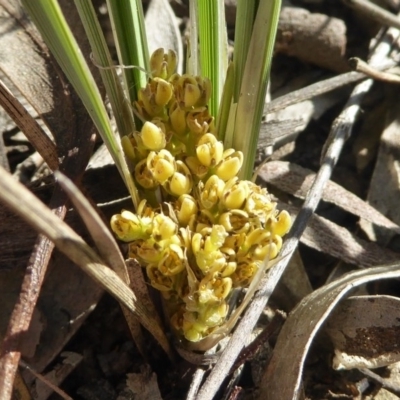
[[355, 227]]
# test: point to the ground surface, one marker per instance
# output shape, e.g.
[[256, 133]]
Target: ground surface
[[314, 42]]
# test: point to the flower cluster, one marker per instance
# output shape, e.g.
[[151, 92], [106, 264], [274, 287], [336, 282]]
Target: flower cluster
[[212, 231]]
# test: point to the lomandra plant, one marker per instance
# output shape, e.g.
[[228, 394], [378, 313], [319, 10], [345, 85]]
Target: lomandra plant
[[185, 147], [213, 230]]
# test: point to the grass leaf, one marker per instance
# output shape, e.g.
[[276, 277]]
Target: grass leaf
[[254, 83], [120, 105], [51, 23], [245, 14], [127, 22], [213, 47]]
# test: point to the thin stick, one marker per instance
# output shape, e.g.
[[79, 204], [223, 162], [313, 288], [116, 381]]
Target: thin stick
[[318, 88], [33, 131], [361, 66], [45, 380], [375, 12], [341, 130], [385, 383], [252, 349], [195, 383], [121, 66]]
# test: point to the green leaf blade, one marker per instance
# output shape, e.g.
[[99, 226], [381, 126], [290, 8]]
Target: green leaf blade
[[51, 23], [254, 83], [213, 47], [127, 22]]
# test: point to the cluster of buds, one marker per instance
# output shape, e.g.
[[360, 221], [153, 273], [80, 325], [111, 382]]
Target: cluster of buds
[[212, 231]]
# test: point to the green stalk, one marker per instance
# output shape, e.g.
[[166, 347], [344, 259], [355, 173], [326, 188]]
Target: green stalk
[[119, 103], [213, 47], [127, 22], [225, 107], [193, 55], [51, 23], [254, 83], [245, 14]]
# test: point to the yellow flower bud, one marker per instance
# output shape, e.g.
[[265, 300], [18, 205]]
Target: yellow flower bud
[[152, 136], [148, 251], [245, 271], [146, 102], [230, 165], [172, 61], [196, 167], [216, 237], [163, 91], [259, 203], [229, 269], [211, 193], [181, 181], [187, 90], [178, 119], [191, 95], [214, 314], [205, 246], [197, 242], [187, 209], [193, 329], [172, 262], [209, 150], [235, 194], [144, 210], [205, 87], [158, 280], [162, 165], [235, 221], [127, 146], [128, 226], [179, 184], [209, 262], [235, 241], [199, 122], [214, 289], [257, 237], [282, 226], [163, 227], [144, 177], [163, 64], [192, 335], [269, 251]]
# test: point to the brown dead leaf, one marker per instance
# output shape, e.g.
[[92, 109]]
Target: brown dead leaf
[[384, 190], [144, 385], [365, 331], [366, 144], [294, 284], [326, 236], [314, 38], [282, 379], [296, 180]]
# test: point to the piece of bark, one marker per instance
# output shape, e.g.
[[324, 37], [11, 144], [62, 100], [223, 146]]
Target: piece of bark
[[296, 180], [314, 38]]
